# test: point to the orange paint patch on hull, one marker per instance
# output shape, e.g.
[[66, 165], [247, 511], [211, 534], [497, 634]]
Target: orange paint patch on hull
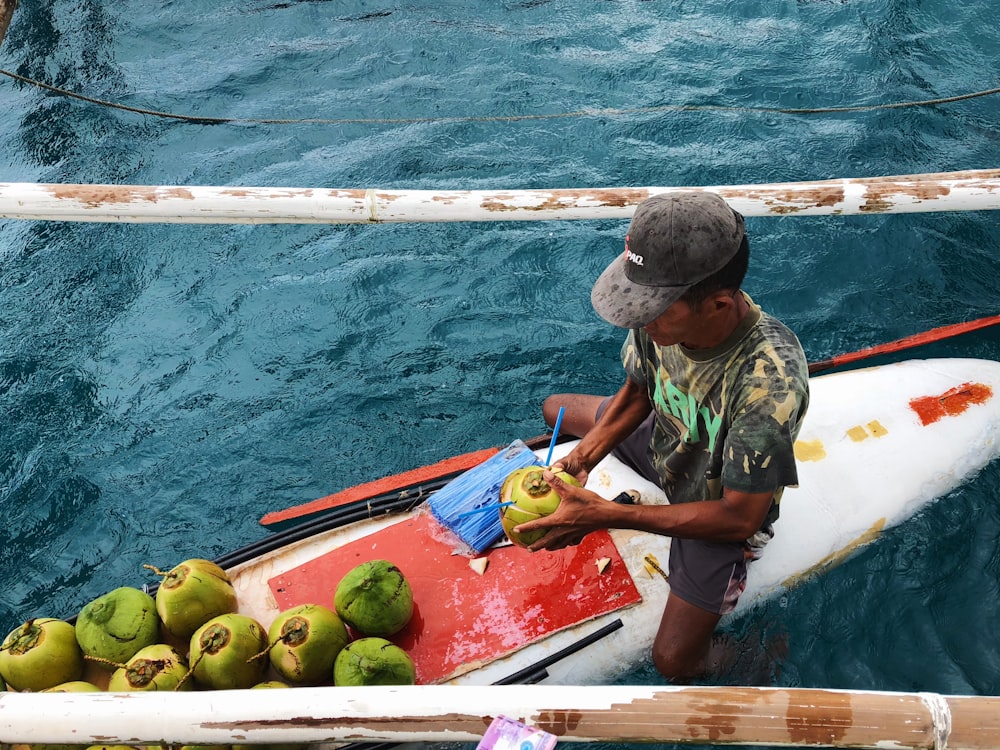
[[931, 409]]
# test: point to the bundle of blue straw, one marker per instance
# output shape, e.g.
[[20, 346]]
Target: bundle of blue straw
[[469, 505]]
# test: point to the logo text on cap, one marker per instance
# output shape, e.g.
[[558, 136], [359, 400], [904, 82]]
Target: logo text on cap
[[629, 255]]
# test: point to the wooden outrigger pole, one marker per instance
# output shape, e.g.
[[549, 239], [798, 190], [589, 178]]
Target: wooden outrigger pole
[[952, 191], [438, 713]]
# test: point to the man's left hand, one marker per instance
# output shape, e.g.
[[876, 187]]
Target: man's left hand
[[578, 514]]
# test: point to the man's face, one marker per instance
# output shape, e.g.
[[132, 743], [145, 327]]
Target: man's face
[[676, 324]]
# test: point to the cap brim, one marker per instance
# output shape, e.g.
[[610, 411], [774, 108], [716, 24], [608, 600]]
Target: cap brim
[[624, 303]]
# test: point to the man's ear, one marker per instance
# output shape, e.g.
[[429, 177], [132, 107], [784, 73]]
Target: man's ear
[[722, 300]]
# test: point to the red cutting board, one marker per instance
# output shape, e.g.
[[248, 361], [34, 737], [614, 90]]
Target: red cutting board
[[462, 620]]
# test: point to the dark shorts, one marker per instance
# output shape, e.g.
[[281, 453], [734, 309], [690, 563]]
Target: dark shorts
[[708, 575]]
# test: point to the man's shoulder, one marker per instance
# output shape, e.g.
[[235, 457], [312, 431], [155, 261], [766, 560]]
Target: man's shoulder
[[777, 347], [771, 329], [772, 324], [768, 330]]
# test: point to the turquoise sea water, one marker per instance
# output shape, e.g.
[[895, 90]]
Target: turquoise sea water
[[162, 387]]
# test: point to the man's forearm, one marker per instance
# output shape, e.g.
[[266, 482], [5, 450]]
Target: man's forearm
[[623, 414]]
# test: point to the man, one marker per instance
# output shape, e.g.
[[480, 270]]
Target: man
[[713, 399]]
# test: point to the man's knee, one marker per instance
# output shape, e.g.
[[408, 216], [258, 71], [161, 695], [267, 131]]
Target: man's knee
[[683, 640], [550, 408], [581, 412], [677, 666]]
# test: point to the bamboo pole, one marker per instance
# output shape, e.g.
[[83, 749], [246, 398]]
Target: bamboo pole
[[952, 191], [6, 13], [699, 715]]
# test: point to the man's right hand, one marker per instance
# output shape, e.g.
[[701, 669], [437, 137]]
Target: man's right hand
[[580, 511], [572, 466]]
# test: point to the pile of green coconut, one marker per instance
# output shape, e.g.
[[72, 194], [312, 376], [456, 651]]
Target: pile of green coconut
[[191, 636]]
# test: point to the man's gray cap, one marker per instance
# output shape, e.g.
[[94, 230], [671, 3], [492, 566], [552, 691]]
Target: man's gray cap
[[675, 240]]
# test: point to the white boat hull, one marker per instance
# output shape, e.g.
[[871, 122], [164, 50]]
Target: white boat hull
[[866, 462]]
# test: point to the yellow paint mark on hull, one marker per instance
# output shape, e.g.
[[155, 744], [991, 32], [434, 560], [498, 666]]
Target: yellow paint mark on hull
[[809, 450], [857, 433], [877, 429], [862, 432], [835, 558]]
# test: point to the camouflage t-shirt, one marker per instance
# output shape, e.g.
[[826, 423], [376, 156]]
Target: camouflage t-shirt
[[727, 416]]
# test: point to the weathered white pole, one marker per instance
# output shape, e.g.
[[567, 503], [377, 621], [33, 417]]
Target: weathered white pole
[[701, 715], [953, 191]]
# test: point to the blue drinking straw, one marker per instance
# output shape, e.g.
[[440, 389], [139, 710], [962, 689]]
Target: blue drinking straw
[[555, 434], [482, 509]]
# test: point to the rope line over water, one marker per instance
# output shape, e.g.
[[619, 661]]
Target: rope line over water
[[595, 112]]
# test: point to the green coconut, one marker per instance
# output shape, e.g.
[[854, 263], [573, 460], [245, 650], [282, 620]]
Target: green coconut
[[75, 686], [154, 668], [113, 627], [305, 641], [374, 598], [532, 498], [191, 594], [229, 652], [373, 661], [40, 654]]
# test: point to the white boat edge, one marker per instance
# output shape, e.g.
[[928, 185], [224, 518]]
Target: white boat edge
[[638, 714]]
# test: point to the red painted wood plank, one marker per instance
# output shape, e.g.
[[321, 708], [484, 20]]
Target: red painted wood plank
[[907, 342], [461, 619]]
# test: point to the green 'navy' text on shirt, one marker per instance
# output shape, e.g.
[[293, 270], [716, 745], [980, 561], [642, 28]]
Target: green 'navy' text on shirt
[[669, 398]]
